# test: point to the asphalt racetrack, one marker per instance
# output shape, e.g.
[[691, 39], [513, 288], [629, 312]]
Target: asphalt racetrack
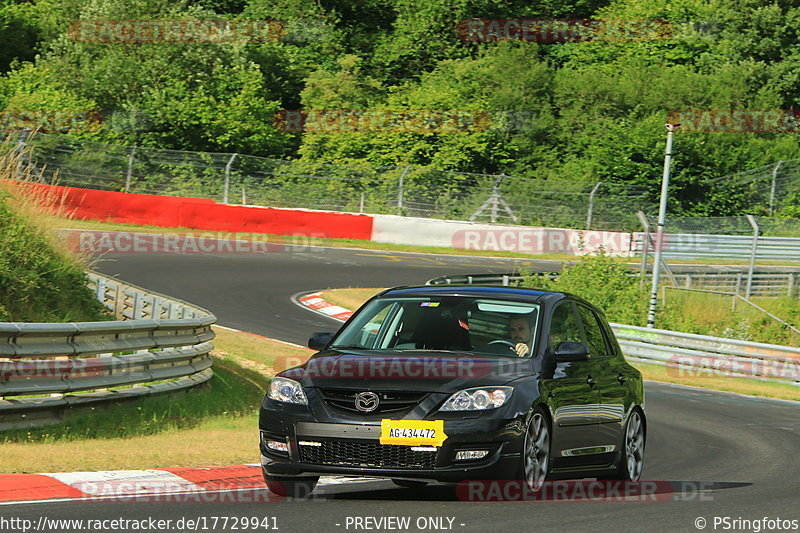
[[721, 462]]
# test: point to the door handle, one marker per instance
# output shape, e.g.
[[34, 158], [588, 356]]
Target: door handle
[[621, 379], [590, 380]]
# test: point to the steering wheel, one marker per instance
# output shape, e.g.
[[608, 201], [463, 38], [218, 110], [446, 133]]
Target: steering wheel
[[510, 344]]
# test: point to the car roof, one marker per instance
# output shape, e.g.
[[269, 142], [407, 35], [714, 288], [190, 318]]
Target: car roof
[[480, 291]]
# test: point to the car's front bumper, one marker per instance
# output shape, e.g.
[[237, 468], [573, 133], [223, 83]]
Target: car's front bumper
[[347, 448]]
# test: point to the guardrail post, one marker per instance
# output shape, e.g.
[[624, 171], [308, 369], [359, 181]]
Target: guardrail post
[[155, 310], [138, 305], [790, 291], [101, 290], [119, 303], [754, 224]]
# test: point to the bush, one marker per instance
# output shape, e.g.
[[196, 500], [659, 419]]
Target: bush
[[604, 282]]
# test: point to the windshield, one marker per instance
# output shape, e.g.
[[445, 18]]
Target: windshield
[[458, 324]]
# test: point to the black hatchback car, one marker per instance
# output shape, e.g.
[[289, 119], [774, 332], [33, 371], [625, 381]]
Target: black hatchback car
[[453, 383]]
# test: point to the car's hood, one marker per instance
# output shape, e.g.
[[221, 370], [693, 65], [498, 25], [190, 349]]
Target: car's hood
[[430, 371]]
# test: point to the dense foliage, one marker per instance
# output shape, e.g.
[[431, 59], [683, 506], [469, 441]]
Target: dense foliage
[[593, 110]]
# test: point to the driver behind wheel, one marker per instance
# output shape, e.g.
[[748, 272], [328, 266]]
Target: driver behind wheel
[[521, 327]]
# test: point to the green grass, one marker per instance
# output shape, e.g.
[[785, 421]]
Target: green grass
[[710, 314]]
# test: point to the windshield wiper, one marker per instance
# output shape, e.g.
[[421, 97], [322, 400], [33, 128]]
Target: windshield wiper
[[350, 347]]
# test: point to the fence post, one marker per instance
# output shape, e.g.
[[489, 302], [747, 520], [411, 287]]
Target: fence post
[[495, 192], [790, 292], [753, 223], [400, 191], [645, 245], [227, 179], [591, 205], [772, 189], [130, 170]]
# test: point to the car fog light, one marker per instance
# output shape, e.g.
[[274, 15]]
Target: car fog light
[[278, 446], [471, 454]]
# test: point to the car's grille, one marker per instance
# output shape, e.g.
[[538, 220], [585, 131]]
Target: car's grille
[[389, 401], [365, 454]]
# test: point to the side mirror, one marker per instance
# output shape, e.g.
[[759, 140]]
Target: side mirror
[[568, 352], [320, 340]]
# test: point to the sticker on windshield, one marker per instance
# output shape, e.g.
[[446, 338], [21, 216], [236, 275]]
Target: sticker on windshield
[[429, 304]]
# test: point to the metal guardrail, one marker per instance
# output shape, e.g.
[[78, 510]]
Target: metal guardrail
[[763, 283], [706, 246], [700, 356], [685, 354], [162, 345]]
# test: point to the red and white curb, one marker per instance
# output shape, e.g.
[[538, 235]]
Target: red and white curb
[[315, 302], [225, 484], [127, 483]]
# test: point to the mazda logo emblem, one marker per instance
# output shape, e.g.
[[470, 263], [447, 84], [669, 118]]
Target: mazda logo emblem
[[367, 401]]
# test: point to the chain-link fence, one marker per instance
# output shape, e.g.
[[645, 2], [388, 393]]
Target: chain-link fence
[[771, 190], [403, 190], [400, 190]]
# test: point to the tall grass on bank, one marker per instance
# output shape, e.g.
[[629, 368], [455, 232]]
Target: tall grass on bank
[[715, 315], [40, 280]]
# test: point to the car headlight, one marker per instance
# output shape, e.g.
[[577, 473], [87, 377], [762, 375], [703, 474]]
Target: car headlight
[[287, 390], [477, 399]]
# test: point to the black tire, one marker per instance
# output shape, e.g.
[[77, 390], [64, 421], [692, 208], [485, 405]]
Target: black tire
[[631, 459], [409, 483], [535, 457], [291, 487]]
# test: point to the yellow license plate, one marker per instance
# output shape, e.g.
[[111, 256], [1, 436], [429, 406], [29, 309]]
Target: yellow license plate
[[413, 432]]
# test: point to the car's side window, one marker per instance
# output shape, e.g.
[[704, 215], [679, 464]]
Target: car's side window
[[594, 334], [564, 325], [611, 340]]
